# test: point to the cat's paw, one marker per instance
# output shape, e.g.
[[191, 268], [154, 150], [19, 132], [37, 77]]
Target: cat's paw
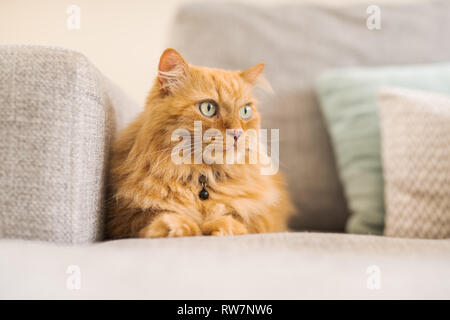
[[223, 226], [170, 225]]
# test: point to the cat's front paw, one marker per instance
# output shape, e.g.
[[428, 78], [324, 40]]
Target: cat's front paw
[[223, 226], [170, 225]]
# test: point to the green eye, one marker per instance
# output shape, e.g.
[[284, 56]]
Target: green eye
[[246, 112], [208, 108]]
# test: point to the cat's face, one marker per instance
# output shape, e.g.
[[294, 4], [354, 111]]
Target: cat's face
[[221, 100]]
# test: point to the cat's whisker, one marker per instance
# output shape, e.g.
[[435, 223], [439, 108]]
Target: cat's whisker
[[265, 154], [188, 148], [165, 149], [176, 147]]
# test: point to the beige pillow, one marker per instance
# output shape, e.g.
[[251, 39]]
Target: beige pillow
[[415, 130]]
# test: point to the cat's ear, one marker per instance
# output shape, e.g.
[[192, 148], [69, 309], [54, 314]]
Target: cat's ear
[[252, 74], [254, 77], [172, 70]]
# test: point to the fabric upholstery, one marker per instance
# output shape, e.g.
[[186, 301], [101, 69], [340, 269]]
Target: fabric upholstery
[[55, 128], [349, 102], [267, 266], [298, 43], [415, 130]]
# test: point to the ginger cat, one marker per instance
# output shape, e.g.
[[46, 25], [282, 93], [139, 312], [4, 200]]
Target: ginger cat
[[151, 196]]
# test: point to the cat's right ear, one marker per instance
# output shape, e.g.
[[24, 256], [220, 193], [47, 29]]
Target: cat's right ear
[[172, 70]]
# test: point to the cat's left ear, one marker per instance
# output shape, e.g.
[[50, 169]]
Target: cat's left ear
[[255, 78], [252, 74], [172, 70]]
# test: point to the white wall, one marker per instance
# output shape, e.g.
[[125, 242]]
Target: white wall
[[123, 38]]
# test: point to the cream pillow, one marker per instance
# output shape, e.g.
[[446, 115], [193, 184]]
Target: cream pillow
[[415, 129]]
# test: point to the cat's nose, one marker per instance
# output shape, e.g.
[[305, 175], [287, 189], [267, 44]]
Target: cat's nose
[[236, 133]]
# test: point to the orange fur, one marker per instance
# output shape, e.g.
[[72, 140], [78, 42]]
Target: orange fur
[[153, 197]]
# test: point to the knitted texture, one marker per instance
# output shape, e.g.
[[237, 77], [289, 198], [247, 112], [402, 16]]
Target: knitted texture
[[55, 127], [416, 159]]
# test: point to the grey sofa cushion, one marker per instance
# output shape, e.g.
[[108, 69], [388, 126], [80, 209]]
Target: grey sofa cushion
[[264, 266], [55, 126], [298, 43]]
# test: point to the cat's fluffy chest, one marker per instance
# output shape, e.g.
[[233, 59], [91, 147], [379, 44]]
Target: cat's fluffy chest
[[248, 193]]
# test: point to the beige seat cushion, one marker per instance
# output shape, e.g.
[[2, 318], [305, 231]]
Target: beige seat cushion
[[267, 266]]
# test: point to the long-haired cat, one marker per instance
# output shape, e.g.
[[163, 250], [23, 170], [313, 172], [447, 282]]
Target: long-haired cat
[[152, 196]]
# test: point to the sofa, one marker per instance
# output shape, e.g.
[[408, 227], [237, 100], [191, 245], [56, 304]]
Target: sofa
[[59, 114]]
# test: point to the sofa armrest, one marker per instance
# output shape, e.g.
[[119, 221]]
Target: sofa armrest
[[56, 123]]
